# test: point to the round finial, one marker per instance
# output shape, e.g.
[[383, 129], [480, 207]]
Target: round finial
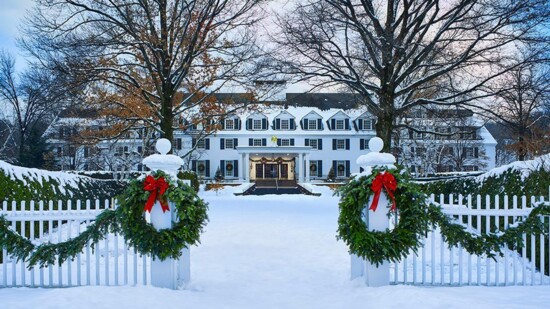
[[163, 146], [376, 144]]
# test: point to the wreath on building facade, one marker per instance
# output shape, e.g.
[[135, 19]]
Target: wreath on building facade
[[415, 217], [229, 167], [201, 167], [128, 219], [313, 167], [341, 168]]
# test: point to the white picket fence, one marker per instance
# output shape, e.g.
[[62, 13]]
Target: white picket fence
[[111, 262], [114, 263], [436, 264]]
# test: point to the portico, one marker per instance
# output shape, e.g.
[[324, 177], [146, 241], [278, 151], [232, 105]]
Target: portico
[[274, 162]]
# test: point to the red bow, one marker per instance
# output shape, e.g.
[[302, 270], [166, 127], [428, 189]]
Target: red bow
[[157, 188], [386, 181]]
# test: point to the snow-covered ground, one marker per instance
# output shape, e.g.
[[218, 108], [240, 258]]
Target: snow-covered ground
[[274, 252]]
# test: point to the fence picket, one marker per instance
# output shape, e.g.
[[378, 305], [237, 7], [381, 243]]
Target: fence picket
[[4, 253]]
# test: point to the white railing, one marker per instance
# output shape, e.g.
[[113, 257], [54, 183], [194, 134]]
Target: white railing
[[436, 264], [111, 262]]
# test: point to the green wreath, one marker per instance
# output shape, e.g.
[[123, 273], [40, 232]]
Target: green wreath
[[191, 212], [417, 216], [378, 246]]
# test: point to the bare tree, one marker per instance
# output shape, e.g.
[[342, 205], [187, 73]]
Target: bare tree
[[393, 51], [518, 105], [33, 97], [153, 61]]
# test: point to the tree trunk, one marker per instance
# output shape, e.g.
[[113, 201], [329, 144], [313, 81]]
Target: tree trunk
[[384, 124]]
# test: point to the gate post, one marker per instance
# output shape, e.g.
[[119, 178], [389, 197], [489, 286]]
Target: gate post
[[167, 273], [375, 220]]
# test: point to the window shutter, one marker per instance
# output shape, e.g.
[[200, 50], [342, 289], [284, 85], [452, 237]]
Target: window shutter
[[361, 144], [320, 144], [347, 168], [249, 124], [264, 142], [178, 144], [333, 144], [222, 167], [346, 124], [222, 143], [207, 143], [334, 168], [236, 168], [333, 124], [319, 168], [306, 124], [347, 143], [193, 142], [250, 142], [194, 165], [292, 124], [278, 142], [307, 142], [235, 142], [360, 124], [277, 124], [476, 152], [207, 167], [292, 142], [264, 124], [223, 124], [319, 124]]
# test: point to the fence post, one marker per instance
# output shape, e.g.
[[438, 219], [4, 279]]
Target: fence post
[[163, 273], [375, 220]]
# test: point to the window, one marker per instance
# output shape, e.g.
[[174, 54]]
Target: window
[[229, 124], [285, 124], [201, 144], [257, 124], [229, 143], [257, 142], [86, 152], [120, 150], [285, 142], [313, 143], [340, 144], [470, 168], [471, 152], [340, 168], [313, 168], [368, 124], [201, 168], [229, 169], [312, 124], [339, 124]]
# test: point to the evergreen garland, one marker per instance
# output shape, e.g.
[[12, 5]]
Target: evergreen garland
[[127, 220], [417, 217]]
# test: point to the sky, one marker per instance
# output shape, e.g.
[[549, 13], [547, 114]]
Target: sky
[[11, 16]]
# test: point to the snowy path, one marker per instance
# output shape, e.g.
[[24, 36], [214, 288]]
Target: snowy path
[[266, 252]]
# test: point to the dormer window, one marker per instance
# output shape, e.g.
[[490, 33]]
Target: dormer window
[[229, 124], [368, 124], [257, 124], [285, 124], [339, 124], [312, 124]]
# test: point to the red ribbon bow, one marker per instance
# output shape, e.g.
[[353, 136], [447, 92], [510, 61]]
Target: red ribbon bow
[[386, 181], [157, 187]]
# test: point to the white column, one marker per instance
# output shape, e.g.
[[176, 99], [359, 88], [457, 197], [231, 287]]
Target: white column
[[300, 167], [242, 169], [246, 164], [307, 167], [165, 273]]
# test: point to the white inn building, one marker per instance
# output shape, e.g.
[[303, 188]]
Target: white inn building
[[301, 139]]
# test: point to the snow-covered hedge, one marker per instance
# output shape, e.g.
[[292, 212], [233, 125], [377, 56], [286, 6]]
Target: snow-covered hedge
[[19, 183], [530, 178]]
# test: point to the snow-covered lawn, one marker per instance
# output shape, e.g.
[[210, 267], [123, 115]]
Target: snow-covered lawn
[[274, 252]]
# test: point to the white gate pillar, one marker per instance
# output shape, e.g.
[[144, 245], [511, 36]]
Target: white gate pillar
[[168, 273], [376, 220]]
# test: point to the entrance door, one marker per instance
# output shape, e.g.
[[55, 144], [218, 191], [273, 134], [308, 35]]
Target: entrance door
[[284, 171], [259, 171], [271, 171]]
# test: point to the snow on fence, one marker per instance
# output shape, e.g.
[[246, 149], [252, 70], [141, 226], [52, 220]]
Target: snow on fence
[[112, 262], [436, 264]]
